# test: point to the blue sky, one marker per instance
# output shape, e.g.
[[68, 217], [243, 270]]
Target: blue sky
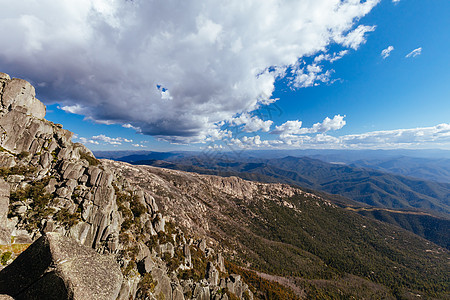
[[237, 76]]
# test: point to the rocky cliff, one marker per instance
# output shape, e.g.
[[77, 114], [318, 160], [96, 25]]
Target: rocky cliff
[[49, 184]]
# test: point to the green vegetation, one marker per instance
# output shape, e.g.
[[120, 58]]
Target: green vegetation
[[67, 219], [147, 285], [131, 215], [4, 149], [23, 154], [199, 262], [429, 227], [5, 257], [35, 191], [54, 156], [262, 288], [17, 170], [90, 159], [319, 241], [127, 271]]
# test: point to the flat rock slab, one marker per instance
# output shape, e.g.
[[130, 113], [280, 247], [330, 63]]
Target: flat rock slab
[[58, 267]]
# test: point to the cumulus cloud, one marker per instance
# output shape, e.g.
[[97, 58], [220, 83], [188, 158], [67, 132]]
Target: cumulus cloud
[[137, 129], [311, 75], [291, 128], [414, 136], [356, 37], [171, 69], [414, 53], [330, 57], [252, 123], [104, 139], [138, 145], [86, 141], [386, 52], [422, 137]]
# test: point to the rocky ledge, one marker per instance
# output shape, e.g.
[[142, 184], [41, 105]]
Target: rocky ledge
[[57, 267]]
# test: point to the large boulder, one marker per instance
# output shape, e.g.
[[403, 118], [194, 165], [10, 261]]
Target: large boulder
[[58, 267]]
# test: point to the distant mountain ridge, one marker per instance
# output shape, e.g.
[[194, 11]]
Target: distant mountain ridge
[[369, 186]]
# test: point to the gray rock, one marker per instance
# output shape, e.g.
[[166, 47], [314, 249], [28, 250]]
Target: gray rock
[[143, 251], [220, 263], [23, 238], [18, 92], [149, 228], [163, 287], [5, 235], [151, 202], [202, 245], [57, 267], [187, 256], [73, 171], [177, 292], [159, 223], [167, 248], [147, 264], [4, 76], [212, 274], [201, 292], [129, 288]]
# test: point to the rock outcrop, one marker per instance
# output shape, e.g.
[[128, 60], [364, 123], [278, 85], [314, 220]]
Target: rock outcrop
[[78, 184], [57, 267]]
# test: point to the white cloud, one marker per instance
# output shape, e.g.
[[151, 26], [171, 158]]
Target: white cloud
[[138, 145], [414, 53], [250, 142], [311, 75], [106, 58], [330, 57], [107, 139], [73, 109], [328, 124], [422, 137], [137, 129], [84, 140], [396, 1], [386, 52], [289, 127], [252, 123], [292, 128], [415, 136], [355, 37], [110, 140]]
